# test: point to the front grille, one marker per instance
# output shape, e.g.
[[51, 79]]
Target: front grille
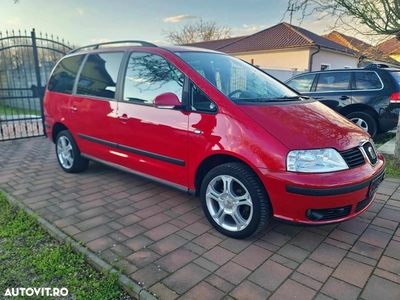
[[328, 213], [363, 204], [353, 157], [370, 152]]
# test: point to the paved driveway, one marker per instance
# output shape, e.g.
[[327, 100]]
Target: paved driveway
[[166, 244]]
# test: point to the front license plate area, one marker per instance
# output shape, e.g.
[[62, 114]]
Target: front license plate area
[[374, 185]]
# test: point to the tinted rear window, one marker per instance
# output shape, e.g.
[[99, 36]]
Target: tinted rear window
[[63, 78], [367, 81], [335, 81], [396, 75], [99, 75]]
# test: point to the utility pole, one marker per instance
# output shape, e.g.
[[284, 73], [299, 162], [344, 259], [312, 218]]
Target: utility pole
[[291, 10]]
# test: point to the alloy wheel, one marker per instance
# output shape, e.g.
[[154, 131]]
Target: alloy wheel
[[65, 152], [229, 203]]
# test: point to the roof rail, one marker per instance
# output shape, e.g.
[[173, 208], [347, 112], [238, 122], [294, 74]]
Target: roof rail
[[96, 46], [376, 66]]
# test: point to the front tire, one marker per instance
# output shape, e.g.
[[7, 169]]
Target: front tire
[[68, 154], [365, 121], [234, 200]]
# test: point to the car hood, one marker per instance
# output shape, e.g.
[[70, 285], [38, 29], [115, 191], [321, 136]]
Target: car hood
[[306, 125]]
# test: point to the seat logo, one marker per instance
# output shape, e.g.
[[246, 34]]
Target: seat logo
[[372, 152]]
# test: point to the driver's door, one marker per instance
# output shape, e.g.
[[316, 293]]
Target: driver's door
[[152, 141]]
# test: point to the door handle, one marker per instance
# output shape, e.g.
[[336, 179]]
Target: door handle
[[344, 98], [124, 118], [74, 109]]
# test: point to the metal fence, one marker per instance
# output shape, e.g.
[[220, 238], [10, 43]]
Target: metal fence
[[25, 65]]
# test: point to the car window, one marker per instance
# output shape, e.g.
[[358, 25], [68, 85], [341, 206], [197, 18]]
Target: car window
[[99, 75], [302, 84], [396, 75], [200, 101], [367, 81], [63, 78], [333, 81], [149, 75], [239, 81]]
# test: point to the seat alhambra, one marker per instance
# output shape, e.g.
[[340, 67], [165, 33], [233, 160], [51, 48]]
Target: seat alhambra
[[211, 125]]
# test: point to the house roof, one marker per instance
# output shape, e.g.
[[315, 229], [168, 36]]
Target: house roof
[[215, 45], [391, 46], [362, 47], [282, 36]]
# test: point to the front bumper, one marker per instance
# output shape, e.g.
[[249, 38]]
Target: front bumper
[[316, 199]]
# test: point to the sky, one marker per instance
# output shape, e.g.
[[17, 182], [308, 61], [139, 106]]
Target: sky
[[83, 22]]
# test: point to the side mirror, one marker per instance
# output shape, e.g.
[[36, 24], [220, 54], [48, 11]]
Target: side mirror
[[167, 100]]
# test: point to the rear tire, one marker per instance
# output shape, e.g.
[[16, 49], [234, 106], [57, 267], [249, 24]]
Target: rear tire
[[365, 121], [68, 154], [235, 201]]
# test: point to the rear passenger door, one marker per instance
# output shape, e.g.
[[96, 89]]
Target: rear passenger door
[[333, 89], [368, 89], [94, 105]]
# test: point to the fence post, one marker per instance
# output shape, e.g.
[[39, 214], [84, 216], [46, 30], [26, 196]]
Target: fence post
[[38, 79]]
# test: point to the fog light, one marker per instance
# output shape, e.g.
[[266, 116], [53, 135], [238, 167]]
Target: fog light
[[309, 213]]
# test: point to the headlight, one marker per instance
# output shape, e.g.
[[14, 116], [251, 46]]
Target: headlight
[[315, 161]]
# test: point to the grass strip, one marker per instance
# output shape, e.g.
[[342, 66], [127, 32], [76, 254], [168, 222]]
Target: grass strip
[[30, 257]]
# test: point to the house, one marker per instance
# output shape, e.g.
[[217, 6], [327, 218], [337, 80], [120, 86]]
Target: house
[[368, 54], [392, 48], [286, 47]]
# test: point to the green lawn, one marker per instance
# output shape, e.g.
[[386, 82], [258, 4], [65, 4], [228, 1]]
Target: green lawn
[[31, 258], [391, 169], [7, 110], [380, 139]]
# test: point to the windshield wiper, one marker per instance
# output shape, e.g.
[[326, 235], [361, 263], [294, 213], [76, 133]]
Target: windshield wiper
[[277, 99]]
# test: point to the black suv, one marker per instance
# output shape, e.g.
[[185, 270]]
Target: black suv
[[370, 97]]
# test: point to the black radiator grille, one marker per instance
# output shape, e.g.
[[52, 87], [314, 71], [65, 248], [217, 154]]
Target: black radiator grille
[[353, 157]]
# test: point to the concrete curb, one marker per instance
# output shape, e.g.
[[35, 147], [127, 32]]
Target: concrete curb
[[131, 287]]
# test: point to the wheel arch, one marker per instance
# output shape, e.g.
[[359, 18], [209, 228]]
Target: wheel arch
[[57, 128], [215, 160], [359, 107]]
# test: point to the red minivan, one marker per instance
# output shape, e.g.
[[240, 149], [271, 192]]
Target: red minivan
[[211, 125]]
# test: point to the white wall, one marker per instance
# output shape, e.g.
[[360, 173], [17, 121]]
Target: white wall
[[334, 59], [298, 58], [282, 75], [278, 59]]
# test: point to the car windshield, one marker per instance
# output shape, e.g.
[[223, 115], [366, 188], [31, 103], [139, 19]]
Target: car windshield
[[236, 79]]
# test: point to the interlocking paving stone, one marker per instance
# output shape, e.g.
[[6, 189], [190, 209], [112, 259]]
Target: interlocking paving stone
[[248, 290], [379, 288], [353, 272], [163, 240], [186, 278], [203, 291]]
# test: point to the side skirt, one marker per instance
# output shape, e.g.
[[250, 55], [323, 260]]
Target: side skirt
[[125, 169]]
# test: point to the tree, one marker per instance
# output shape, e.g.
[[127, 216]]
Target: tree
[[380, 17], [197, 32], [375, 16]]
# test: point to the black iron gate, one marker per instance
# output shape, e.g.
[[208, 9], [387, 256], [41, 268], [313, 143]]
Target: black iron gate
[[25, 65]]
